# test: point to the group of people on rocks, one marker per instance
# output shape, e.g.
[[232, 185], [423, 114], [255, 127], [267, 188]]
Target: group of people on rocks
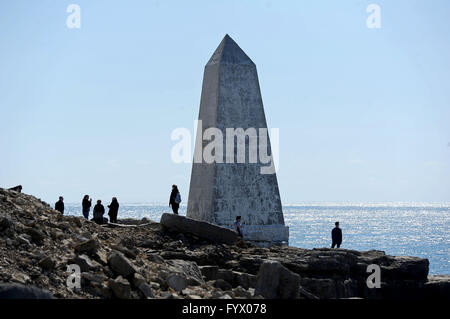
[[99, 209], [98, 212], [174, 202]]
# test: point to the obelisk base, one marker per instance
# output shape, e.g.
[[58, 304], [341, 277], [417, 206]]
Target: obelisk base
[[266, 234]]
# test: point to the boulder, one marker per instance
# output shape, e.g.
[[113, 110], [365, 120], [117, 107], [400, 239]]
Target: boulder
[[146, 290], [85, 263], [101, 257], [5, 223], [177, 282], [47, 263], [201, 229], [18, 291], [93, 278], [324, 287], [120, 288], [36, 235], [188, 269], [226, 275], [244, 280], [126, 251], [276, 281], [437, 287], [155, 258], [17, 188], [121, 264], [138, 279], [209, 272], [89, 246], [405, 268]]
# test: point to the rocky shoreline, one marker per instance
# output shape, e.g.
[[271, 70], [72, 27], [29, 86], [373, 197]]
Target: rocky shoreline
[[145, 259]]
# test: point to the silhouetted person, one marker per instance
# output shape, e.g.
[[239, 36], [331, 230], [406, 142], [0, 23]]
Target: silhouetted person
[[87, 202], [175, 199], [99, 211], [238, 226], [59, 205], [336, 236], [113, 210]]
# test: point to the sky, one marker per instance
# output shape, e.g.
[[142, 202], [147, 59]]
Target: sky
[[363, 113]]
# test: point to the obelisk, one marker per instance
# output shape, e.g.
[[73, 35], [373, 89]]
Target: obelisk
[[221, 190]]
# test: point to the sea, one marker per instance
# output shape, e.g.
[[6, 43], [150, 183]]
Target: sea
[[400, 229]]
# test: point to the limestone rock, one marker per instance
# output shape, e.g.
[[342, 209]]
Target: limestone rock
[[85, 263], [437, 287], [244, 280], [91, 277], [17, 188], [18, 291], [210, 272], [120, 288], [5, 223], [101, 257], [89, 246], [120, 264], [47, 263], [146, 290], [36, 235], [324, 287], [214, 233], [177, 282], [155, 258], [276, 281], [188, 269], [138, 279]]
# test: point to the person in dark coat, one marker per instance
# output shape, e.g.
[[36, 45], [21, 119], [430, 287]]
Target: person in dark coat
[[87, 202], [59, 205], [99, 211], [238, 226], [336, 236], [172, 199], [113, 210]]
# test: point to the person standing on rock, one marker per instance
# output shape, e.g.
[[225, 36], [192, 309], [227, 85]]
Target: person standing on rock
[[99, 211], [175, 199], [336, 236], [113, 210], [87, 202], [59, 205], [238, 226]]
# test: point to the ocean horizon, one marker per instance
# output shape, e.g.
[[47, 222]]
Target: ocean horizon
[[399, 228]]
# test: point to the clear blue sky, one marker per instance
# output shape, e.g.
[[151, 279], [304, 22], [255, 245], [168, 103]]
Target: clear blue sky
[[363, 113]]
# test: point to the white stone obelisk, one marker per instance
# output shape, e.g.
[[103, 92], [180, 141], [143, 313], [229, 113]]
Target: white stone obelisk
[[221, 190]]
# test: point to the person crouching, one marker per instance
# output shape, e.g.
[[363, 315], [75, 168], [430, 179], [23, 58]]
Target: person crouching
[[99, 211]]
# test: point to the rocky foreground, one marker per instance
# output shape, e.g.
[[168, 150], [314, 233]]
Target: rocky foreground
[[144, 259]]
